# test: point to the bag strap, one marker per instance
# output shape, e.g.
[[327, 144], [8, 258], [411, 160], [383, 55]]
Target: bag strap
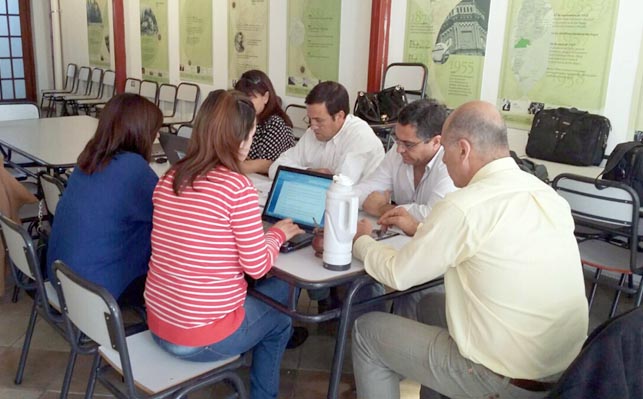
[[618, 154]]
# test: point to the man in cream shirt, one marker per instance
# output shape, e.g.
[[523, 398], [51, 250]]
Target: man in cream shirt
[[514, 313], [412, 173], [336, 142]]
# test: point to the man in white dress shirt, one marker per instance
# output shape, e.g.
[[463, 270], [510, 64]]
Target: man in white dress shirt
[[412, 173], [336, 142]]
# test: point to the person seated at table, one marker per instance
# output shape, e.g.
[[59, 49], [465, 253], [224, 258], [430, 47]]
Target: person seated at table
[[104, 219], [412, 174], [274, 127], [336, 142], [514, 291], [207, 234]]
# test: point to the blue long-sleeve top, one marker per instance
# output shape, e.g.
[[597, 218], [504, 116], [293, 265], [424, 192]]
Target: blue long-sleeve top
[[103, 223]]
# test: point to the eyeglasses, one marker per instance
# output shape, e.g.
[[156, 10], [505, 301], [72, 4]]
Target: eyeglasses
[[317, 121], [407, 144]]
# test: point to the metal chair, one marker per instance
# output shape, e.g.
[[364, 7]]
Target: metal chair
[[52, 189], [132, 85], [81, 88], [149, 90], [611, 210], [25, 267], [185, 105], [297, 114], [69, 86], [106, 92], [410, 75], [94, 90], [166, 99], [143, 364]]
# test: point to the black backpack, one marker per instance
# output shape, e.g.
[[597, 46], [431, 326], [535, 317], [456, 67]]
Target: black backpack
[[625, 164]]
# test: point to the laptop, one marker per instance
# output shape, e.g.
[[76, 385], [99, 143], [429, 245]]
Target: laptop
[[301, 196], [175, 147]]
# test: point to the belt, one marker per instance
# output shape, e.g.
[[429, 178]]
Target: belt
[[531, 385]]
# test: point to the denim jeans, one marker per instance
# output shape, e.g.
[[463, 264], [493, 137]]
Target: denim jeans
[[264, 330]]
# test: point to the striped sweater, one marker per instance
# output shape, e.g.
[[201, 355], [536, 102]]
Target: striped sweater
[[203, 242]]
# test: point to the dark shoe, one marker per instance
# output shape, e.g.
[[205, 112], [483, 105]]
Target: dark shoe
[[329, 303], [298, 337]]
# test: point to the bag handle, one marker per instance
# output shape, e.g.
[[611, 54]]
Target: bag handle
[[616, 156]]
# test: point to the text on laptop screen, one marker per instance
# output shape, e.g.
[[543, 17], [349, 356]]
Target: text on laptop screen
[[299, 196]]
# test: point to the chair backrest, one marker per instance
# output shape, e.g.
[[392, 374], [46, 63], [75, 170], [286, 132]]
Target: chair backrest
[[604, 205], [132, 85], [149, 90], [108, 85], [167, 99], [70, 77], [95, 83], [410, 75], [52, 189], [184, 131], [82, 86], [12, 112], [18, 246], [297, 113], [93, 310], [187, 98]]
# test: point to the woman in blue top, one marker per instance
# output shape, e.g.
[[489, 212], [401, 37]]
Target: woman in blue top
[[104, 218]]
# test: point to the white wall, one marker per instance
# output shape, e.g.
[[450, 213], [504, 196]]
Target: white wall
[[625, 58], [41, 31], [354, 43]]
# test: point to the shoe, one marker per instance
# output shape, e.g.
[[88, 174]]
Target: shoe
[[328, 303], [298, 337]]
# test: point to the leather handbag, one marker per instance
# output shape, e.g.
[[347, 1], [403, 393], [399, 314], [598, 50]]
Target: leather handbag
[[381, 107]]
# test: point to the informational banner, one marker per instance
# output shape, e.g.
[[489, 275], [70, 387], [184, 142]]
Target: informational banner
[[450, 38], [556, 53], [313, 44], [98, 30], [247, 37], [154, 47], [195, 41]]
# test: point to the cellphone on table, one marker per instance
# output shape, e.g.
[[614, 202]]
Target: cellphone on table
[[298, 241], [378, 235]]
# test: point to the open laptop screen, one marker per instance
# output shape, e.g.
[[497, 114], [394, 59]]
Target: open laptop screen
[[299, 195]]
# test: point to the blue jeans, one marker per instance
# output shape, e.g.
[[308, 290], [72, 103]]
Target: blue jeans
[[264, 330]]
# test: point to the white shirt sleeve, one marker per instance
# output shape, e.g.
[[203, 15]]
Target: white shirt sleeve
[[380, 180]]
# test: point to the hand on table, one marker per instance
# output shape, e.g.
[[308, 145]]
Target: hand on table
[[289, 228], [364, 228], [400, 218], [377, 203]]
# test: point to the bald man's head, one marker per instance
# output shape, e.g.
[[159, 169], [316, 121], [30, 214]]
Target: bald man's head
[[481, 124]]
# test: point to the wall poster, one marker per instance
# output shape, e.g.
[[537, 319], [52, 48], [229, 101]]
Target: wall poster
[[556, 53], [98, 33], [313, 44], [247, 37], [195, 41], [450, 38], [154, 45]]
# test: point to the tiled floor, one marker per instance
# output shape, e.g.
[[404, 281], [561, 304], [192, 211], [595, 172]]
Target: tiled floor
[[304, 371]]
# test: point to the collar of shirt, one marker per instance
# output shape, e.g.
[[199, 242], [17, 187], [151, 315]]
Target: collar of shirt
[[498, 165], [335, 139]]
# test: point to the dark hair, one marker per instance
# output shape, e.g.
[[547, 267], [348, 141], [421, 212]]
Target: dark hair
[[426, 115], [224, 120], [255, 82], [129, 123], [333, 94]]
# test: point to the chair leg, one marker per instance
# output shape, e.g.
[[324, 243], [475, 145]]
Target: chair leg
[[25, 346], [592, 292], [617, 295], [237, 383], [93, 372], [16, 292], [69, 373]]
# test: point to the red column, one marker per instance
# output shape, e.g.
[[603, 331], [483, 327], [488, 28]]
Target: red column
[[378, 49], [120, 60]]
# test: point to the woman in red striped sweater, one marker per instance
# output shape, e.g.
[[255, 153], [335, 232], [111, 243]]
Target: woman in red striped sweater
[[207, 233]]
